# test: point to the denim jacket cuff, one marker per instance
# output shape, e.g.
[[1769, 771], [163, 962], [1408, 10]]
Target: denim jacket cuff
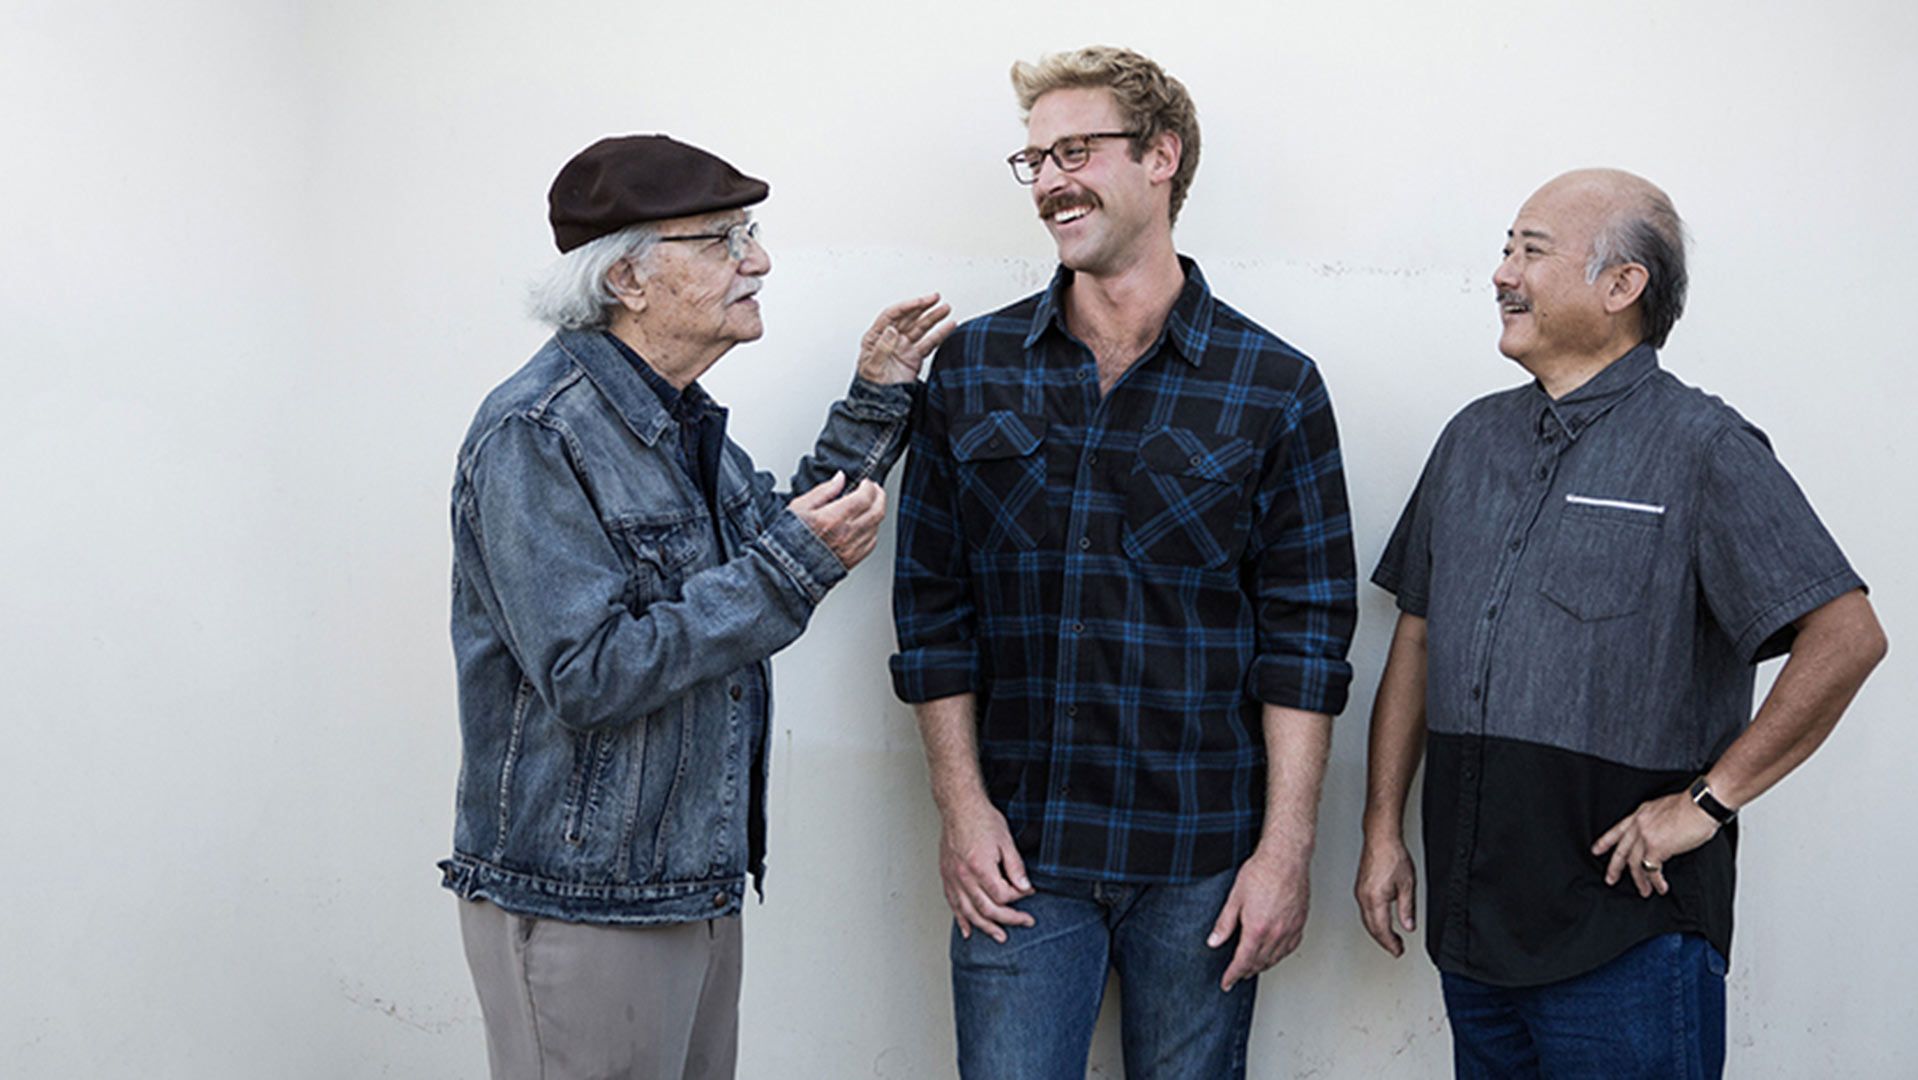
[[792, 545], [882, 401]]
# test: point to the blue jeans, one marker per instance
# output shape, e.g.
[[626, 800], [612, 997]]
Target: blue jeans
[[1025, 1010], [1658, 1011]]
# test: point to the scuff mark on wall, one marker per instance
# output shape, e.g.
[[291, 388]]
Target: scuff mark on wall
[[416, 1019]]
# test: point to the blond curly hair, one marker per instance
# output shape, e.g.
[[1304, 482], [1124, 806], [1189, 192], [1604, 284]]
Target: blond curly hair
[[1150, 100]]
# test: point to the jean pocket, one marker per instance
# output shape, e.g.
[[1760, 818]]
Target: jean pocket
[[1183, 502], [1000, 464], [1602, 556], [662, 556], [1715, 961]]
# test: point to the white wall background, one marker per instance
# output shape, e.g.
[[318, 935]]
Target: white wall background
[[262, 260]]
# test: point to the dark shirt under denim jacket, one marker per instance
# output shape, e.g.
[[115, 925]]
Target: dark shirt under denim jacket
[[1600, 575], [611, 635], [1122, 581]]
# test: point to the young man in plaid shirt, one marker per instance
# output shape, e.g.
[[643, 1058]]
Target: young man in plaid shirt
[[1124, 594]]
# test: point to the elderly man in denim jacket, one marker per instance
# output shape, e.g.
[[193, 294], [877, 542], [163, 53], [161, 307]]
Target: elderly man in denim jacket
[[621, 575]]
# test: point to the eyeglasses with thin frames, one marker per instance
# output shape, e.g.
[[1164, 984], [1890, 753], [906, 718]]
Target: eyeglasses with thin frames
[[1070, 154], [736, 238]]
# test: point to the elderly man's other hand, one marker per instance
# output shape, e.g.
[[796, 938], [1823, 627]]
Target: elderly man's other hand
[[901, 338], [848, 525]]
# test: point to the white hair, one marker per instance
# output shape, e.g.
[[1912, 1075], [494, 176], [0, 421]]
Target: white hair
[[572, 293]]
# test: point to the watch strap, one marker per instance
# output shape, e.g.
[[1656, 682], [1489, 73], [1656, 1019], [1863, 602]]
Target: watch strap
[[1701, 793]]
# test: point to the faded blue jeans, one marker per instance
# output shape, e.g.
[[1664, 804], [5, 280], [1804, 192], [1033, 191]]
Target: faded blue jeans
[[1657, 1013], [1025, 1010]]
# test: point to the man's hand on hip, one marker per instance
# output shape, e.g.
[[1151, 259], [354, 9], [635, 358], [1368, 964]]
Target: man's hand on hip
[[982, 871], [1387, 881], [1659, 829], [1267, 906], [901, 338], [849, 525]]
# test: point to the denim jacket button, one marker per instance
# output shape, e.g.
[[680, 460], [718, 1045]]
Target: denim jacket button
[[719, 900], [735, 692]]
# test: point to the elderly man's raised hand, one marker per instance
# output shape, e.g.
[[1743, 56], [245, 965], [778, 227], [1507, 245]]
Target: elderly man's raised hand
[[848, 525], [902, 337]]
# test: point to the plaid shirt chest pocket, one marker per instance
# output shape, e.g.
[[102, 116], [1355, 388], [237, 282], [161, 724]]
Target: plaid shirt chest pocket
[[1000, 464], [1184, 498]]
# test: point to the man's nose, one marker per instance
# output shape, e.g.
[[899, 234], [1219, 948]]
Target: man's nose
[[757, 262], [1049, 178], [1503, 275]]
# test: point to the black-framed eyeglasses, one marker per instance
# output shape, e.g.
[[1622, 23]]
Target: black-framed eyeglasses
[[736, 238], [1070, 154]]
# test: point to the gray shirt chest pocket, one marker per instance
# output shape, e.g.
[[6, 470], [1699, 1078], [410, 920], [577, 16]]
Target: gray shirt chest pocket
[[1601, 557]]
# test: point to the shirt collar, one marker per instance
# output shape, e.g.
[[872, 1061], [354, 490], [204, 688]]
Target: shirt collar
[[1188, 326], [681, 405], [1581, 408]]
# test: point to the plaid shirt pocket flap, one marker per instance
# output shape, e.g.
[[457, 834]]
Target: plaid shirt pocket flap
[[997, 434], [1183, 507], [1001, 480]]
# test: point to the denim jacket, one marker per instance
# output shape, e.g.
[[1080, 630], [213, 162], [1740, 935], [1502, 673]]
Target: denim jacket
[[602, 630]]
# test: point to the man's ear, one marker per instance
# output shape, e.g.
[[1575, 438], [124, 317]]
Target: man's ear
[[1626, 283], [626, 286], [1163, 155]]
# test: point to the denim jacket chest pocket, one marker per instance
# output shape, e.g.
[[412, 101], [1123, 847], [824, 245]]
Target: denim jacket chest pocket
[[662, 555], [1601, 557], [1000, 463], [1183, 501]]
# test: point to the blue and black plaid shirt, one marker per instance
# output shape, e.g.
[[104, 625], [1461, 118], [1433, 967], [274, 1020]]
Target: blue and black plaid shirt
[[1124, 580]]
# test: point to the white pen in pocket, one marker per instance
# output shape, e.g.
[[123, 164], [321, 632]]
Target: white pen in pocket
[[1616, 504]]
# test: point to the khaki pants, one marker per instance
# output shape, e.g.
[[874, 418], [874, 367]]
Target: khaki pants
[[572, 1001]]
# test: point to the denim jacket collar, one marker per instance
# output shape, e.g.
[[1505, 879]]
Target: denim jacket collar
[[617, 381]]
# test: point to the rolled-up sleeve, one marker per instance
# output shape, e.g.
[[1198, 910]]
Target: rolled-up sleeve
[[931, 598], [1301, 561]]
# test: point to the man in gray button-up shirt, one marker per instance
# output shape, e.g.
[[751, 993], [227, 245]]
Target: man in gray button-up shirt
[[1587, 573]]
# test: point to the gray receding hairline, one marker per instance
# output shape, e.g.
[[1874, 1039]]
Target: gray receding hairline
[[571, 293]]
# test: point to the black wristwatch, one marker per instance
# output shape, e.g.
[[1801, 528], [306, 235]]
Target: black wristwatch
[[1702, 795]]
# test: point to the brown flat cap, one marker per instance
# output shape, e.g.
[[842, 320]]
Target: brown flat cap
[[627, 179]]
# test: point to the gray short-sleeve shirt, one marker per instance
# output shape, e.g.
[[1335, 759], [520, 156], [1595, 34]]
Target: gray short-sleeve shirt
[[1599, 574]]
